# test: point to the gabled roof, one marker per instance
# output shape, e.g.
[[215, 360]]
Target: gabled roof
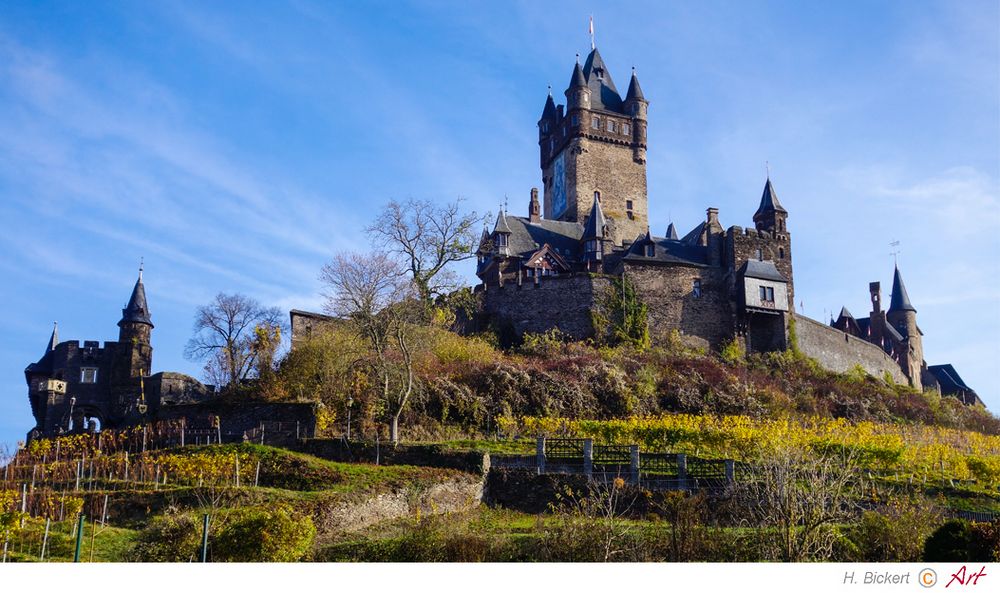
[[768, 201], [900, 300], [596, 222], [634, 90], [845, 314], [136, 311], [526, 237], [763, 270], [603, 94], [547, 250], [668, 251], [949, 379], [671, 232]]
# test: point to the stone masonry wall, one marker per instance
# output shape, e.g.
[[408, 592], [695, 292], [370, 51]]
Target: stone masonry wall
[[668, 291], [839, 352], [742, 245], [563, 302], [611, 170]]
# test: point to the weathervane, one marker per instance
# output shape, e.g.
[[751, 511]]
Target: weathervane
[[894, 254]]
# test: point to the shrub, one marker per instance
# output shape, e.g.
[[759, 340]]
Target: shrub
[[985, 469], [263, 534], [896, 534], [168, 538], [734, 352], [952, 542]]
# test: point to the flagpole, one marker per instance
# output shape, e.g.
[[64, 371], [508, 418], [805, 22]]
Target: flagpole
[[592, 45]]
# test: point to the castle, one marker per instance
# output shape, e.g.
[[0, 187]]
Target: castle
[[74, 388], [551, 268]]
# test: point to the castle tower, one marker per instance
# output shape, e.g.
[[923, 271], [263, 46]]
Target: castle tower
[[595, 236], [903, 317], [596, 150], [134, 355], [771, 218]]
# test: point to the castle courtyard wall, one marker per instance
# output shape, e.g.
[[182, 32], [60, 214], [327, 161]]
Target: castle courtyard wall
[[840, 352], [562, 302], [669, 293]]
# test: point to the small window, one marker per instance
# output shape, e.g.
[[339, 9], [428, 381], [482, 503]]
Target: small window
[[88, 375], [628, 204], [696, 289], [501, 239], [781, 253], [626, 129], [760, 255], [612, 126], [575, 120], [767, 294], [650, 250], [630, 215], [595, 123], [545, 127]]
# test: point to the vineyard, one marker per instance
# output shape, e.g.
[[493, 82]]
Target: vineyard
[[918, 451]]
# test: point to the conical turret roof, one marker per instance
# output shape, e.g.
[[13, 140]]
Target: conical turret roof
[[137, 311], [900, 300], [768, 201], [634, 90], [501, 225], [672, 232], [577, 79], [550, 107], [595, 223]]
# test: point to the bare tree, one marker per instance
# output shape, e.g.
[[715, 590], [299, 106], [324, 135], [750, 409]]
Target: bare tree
[[797, 497], [372, 292], [233, 334], [427, 237]]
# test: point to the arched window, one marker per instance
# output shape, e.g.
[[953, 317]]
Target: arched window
[[781, 253]]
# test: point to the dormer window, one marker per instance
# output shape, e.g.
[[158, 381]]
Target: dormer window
[[501, 239], [88, 375], [767, 294], [650, 250]]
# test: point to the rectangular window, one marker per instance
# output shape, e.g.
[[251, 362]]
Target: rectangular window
[[88, 375], [628, 204], [770, 294], [763, 293], [626, 130], [595, 123], [767, 294], [650, 250], [612, 126], [575, 120], [696, 288]]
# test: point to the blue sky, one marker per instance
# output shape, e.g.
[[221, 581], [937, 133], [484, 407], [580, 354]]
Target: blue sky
[[236, 147]]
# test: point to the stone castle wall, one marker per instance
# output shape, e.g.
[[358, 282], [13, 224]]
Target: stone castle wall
[[840, 352], [668, 291], [611, 170], [562, 302]]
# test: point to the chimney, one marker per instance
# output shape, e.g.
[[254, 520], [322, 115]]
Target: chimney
[[534, 208], [876, 291]]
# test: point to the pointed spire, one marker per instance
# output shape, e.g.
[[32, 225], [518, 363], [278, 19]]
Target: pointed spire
[[484, 240], [596, 224], [136, 311], [845, 314], [900, 300], [634, 90], [577, 79], [550, 107], [672, 232], [501, 225], [768, 200], [54, 340]]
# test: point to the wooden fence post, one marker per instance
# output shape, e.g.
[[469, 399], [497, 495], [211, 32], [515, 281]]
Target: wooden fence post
[[634, 451], [682, 471], [730, 472], [540, 454], [588, 458]]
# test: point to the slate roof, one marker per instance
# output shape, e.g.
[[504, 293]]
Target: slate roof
[[844, 313], [768, 201], [501, 225], [550, 107], [596, 222], [634, 90], [764, 270], [900, 300], [948, 378], [671, 232], [136, 311], [667, 251], [577, 78], [603, 94], [527, 237]]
